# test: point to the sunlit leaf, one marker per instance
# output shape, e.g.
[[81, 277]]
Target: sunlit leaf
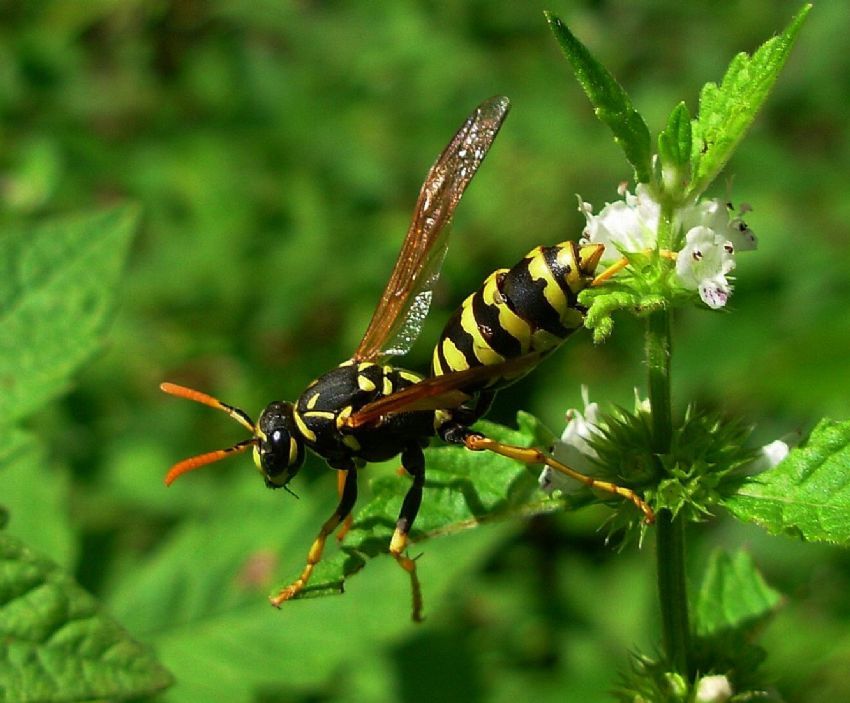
[[733, 595], [808, 494], [463, 489], [727, 111], [732, 604], [58, 644]]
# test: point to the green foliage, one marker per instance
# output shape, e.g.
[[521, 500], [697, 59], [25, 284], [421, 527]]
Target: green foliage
[[807, 495], [727, 111], [674, 151], [56, 290], [610, 101], [276, 150], [733, 596], [26, 480], [731, 606], [56, 297], [200, 599], [464, 490], [58, 644]]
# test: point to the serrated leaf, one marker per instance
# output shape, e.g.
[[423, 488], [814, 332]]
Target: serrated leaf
[[57, 284], [610, 101], [733, 595], [58, 644], [808, 494], [727, 111]]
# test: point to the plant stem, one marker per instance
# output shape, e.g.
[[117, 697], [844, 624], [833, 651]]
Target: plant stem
[[670, 531]]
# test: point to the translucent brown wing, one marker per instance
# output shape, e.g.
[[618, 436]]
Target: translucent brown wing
[[404, 303], [443, 392]]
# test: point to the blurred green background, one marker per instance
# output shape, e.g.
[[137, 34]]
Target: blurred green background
[[276, 150]]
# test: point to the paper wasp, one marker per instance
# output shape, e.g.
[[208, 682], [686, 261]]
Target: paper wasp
[[367, 411]]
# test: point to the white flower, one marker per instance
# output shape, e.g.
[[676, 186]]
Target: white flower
[[704, 264], [627, 225], [771, 455], [716, 216], [713, 689], [574, 448], [711, 236]]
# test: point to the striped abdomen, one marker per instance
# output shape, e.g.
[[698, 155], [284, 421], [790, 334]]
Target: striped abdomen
[[530, 308]]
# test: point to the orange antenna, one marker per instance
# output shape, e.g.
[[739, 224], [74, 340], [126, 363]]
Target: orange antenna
[[197, 462]]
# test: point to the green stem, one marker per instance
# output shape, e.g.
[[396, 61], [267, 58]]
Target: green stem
[[670, 531]]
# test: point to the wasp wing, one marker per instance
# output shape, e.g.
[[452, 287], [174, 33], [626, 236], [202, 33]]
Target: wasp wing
[[443, 392], [404, 303]]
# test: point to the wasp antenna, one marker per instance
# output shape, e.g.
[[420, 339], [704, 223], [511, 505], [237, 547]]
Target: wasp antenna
[[196, 462], [191, 394]]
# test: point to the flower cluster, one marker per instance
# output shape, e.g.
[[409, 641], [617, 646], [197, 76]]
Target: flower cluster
[[708, 234], [588, 426]]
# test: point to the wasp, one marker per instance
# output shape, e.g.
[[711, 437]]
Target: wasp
[[368, 410]]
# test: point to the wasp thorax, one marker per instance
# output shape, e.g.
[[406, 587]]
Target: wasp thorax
[[279, 451]]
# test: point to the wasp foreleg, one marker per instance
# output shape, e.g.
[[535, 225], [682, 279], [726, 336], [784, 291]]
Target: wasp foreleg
[[314, 556]]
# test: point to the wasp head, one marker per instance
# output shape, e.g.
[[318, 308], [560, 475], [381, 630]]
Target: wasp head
[[279, 450]]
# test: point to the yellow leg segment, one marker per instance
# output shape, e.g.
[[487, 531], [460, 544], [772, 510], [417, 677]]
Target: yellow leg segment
[[535, 456], [314, 556], [398, 543]]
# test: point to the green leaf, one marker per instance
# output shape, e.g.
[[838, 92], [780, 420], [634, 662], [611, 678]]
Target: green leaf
[[202, 599], [58, 645], [733, 603], [674, 151], [733, 595], [36, 494], [610, 101], [57, 284], [808, 494], [727, 111], [462, 490]]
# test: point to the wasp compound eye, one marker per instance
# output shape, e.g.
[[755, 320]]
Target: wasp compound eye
[[280, 451]]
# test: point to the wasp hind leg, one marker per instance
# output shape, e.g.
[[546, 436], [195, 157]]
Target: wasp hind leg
[[314, 556], [457, 434], [413, 461]]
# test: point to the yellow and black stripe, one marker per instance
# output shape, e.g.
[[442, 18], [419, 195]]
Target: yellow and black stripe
[[530, 308]]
